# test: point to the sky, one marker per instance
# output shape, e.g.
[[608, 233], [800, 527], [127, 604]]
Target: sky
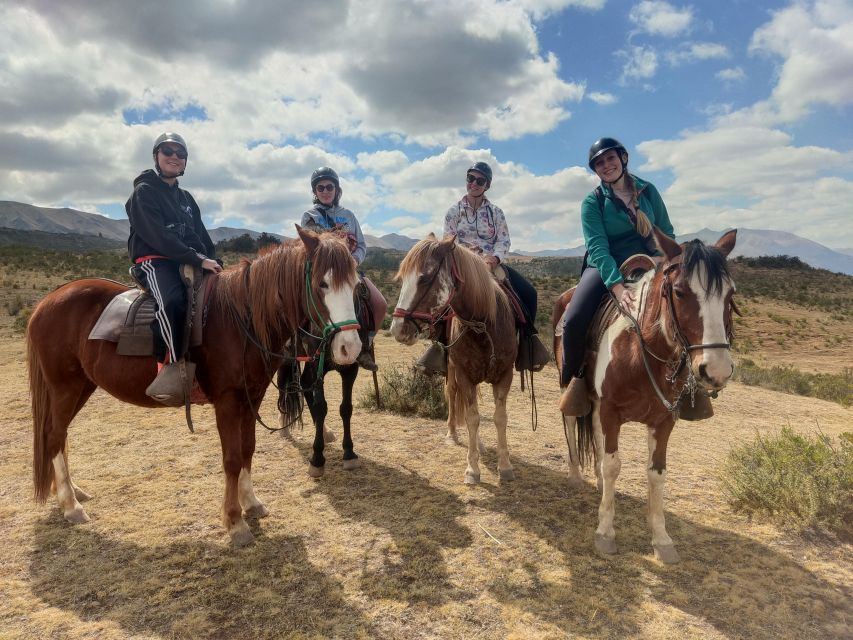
[[739, 111]]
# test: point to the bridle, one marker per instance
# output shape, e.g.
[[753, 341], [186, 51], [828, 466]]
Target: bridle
[[682, 357], [432, 319]]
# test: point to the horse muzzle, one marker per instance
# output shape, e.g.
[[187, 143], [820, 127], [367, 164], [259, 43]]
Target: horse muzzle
[[346, 346]]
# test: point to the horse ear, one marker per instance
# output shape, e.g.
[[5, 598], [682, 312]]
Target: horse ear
[[667, 245], [727, 242], [310, 239], [431, 236], [447, 244]]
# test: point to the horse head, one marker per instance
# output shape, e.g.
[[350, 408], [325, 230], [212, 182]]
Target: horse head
[[426, 287], [330, 279], [697, 291]]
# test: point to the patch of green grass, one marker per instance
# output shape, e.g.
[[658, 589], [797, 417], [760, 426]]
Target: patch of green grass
[[796, 480], [826, 386], [408, 392]]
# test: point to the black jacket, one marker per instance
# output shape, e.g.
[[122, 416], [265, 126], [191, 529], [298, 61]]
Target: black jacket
[[165, 221]]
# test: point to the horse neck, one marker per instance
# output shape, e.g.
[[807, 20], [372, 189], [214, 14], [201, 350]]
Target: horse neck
[[470, 301], [653, 316]]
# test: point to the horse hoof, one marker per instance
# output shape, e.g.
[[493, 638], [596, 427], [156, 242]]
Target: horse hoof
[[77, 516], [507, 474], [350, 465], [472, 478], [329, 436], [257, 511], [451, 440], [81, 495], [315, 472], [605, 545], [666, 553], [242, 537]]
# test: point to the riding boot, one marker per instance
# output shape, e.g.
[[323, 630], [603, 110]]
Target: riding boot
[[575, 399], [365, 358], [700, 410], [433, 361], [168, 387]]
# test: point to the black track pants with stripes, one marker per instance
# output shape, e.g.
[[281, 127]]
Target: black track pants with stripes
[[165, 283]]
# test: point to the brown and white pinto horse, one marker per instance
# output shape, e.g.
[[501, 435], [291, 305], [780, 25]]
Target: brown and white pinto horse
[[441, 279], [683, 313], [255, 309]]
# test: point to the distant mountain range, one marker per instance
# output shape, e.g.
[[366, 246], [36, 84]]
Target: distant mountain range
[[17, 217]]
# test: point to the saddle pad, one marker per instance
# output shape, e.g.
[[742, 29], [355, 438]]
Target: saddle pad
[[108, 327]]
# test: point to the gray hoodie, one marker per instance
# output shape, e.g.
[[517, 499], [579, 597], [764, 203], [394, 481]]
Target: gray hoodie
[[337, 218]]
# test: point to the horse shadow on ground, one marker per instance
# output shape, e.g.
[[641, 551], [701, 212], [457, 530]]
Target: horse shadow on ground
[[736, 585], [420, 518], [269, 590]]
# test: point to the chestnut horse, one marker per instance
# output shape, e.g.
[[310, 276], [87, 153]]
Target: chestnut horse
[[440, 279], [676, 342], [255, 309]]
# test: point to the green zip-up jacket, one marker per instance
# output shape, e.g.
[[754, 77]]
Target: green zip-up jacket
[[610, 235]]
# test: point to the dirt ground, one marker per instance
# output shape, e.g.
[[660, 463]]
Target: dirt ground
[[401, 548]]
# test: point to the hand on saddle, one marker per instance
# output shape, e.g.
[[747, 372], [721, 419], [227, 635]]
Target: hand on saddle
[[211, 265], [624, 296], [492, 261]]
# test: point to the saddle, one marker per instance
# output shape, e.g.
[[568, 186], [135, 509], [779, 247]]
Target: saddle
[[127, 319], [499, 274]]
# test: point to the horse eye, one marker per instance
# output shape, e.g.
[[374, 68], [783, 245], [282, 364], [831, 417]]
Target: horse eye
[[679, 293], [324, 285]]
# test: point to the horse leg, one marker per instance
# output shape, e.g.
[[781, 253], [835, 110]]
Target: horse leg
[[233, 416], [316, 399], [658, 438], [500, 391], [468, 391], [570, 426], [605, 535], [348, 376], [252, 507], [450, 393]]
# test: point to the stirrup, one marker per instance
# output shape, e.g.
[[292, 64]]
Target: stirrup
[[366, 361], [168, 386], [575, 399], [701, 408], [433, 361]]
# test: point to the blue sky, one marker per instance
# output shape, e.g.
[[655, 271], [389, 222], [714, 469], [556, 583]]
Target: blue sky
[[740, 112]]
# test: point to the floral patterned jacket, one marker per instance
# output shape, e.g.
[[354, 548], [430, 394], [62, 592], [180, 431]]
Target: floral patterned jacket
[[484, 230]]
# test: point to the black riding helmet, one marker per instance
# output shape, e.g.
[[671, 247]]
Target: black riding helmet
[[169, 137], [482, 167], [603, 145], [324, 173]]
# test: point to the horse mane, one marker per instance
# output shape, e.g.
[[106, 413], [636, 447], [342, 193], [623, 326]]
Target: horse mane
[[482, 293], [269, 292], [697, 252]]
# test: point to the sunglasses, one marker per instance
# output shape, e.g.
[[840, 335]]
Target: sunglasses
[[472, 178], [169, 152], [325, 187]]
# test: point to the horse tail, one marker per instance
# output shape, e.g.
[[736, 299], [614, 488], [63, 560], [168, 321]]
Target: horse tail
[[584, 439], [42, 463], [289, 393]]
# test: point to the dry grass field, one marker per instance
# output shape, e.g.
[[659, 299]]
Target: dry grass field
[[400, 548]]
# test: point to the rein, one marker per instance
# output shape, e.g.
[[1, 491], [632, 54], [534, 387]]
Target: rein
[[691, 386]]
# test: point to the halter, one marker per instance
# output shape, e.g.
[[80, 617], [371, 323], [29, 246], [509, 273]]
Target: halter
[[433, 318], [329, 329], [691, 386]]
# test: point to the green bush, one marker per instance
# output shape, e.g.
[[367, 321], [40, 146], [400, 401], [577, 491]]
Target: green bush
[[795, 480], [408, 392], [826, 386]]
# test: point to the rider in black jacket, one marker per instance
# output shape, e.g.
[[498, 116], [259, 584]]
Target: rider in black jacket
[[166, 231]]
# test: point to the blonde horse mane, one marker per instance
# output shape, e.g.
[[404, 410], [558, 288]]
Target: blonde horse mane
[[482, 293]]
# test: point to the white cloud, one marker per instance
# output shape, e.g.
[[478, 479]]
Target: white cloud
[[731, 75], [656, 17], [640, 63], [602, 98], [693, 51]]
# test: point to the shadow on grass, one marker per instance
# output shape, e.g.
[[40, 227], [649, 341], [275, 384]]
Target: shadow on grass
[[192, 590], [737, 586], [420, 518]]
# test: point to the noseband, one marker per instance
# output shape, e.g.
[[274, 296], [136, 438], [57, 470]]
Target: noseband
[[432, 319]]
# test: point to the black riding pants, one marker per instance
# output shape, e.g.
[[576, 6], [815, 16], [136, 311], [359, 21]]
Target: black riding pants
[[576, 319], [526, 293], [162, 278]]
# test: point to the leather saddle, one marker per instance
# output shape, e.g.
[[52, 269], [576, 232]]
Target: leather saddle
[[127, 319]]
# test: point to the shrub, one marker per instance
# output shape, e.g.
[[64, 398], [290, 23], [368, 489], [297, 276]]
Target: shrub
[[795, 480], [826, 386], [408, 392]]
